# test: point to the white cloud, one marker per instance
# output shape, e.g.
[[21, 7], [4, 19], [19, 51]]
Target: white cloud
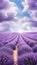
[[4, 26], [32, 29], [25, 5], [33, 15], [17, 27], [13, 9], [1, 27]]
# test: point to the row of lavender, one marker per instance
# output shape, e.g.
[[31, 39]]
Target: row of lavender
[[26, 48], [8, 42]]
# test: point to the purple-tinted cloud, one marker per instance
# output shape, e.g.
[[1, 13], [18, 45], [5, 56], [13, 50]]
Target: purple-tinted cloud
[[7, 10], [4, 4], [9, 17], [33, 4], [34, 23]]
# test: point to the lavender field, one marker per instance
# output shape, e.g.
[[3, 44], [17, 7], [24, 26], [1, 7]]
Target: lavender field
[[18, 49], [18, 32]]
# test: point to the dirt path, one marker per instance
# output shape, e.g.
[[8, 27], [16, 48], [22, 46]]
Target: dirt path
[[15, 56]]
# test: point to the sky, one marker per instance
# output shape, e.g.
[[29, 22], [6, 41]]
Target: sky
[[18, 15]]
